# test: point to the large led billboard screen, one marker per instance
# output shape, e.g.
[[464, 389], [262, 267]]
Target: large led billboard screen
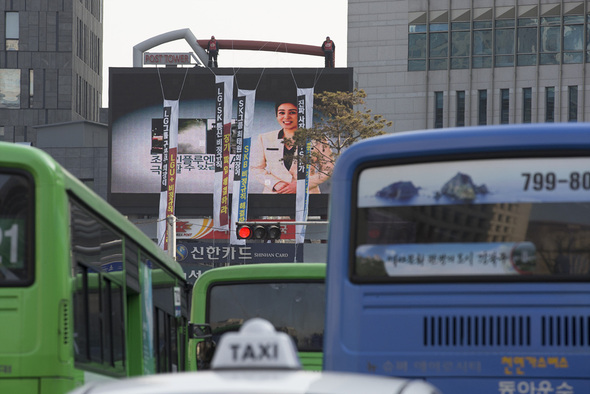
[[136, 97]]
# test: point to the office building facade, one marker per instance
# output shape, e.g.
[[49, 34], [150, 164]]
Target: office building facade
[[431, 64], [50, 65]]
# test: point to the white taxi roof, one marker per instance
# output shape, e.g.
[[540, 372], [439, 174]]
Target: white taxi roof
[[258, 359], [261, 382]]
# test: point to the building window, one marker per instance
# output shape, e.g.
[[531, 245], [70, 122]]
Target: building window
[[504, 43], [504, 106], [79, 39], [460, 108], [527, 42], [573, 39], [98, 60], [482, 44], [439, 46], [460, 45], [2, 131], [527, 95], [438, 110], [31, 87], [12, 31], [549, 104], [88, 182], [572, 104], [550, 40], [417, 47], [482, 107], [10, 88]]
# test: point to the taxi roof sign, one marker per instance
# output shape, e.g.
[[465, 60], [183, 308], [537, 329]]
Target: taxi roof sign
[[257, 345]]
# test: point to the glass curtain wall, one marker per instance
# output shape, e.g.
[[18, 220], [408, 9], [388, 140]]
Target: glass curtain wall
[[485, 42]]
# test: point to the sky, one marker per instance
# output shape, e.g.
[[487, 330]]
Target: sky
[[127, 23]]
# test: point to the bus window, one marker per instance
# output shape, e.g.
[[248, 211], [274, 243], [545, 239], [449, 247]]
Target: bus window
[[98, 297], [296, 309], [16, 212], [521, 217]]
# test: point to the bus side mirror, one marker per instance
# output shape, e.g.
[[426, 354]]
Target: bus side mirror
[[199, 331], [205, 350], [205, 347]]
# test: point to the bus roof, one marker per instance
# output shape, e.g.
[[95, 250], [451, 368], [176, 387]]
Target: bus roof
[[47, 171], [267, 271], [412, 144]]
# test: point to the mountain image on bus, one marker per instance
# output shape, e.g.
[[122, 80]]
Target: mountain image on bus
[[462, 256], [84, 294], [289, 295]]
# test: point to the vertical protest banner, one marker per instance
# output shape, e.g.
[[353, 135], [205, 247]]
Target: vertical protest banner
[[147, 317], [304, 120], [245, 117], [168, 172], [224, 86]]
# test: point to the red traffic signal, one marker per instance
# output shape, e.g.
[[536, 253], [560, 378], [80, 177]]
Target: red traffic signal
[[259, 231], [244, 232]]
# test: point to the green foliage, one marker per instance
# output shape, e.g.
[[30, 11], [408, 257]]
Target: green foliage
[[370, 266], [339, 123]]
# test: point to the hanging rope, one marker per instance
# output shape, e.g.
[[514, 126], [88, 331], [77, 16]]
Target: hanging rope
[[261, 73], [162, 239], [161, 85], [182, 87], [315, 81]]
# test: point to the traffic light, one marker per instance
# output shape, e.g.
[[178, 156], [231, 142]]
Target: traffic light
[[259, 231]]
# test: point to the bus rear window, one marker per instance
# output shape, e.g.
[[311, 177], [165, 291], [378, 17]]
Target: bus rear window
[[296, 308], [520, 219], [16, 210]]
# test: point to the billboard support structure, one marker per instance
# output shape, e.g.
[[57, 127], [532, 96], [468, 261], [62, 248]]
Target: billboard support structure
[[174, 35], [199, 46]]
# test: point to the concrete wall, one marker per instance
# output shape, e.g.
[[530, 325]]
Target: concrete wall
[[378, 52], [82, 148]]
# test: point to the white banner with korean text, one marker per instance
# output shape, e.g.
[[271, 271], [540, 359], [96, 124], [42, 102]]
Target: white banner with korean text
[[245, 118], [304, 120], [168, 172], [224, 85]]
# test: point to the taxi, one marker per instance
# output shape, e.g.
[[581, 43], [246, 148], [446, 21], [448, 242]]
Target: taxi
[[258, 359]]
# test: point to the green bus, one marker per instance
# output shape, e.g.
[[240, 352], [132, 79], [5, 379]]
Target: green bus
[[289, 295], [84, 294]]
